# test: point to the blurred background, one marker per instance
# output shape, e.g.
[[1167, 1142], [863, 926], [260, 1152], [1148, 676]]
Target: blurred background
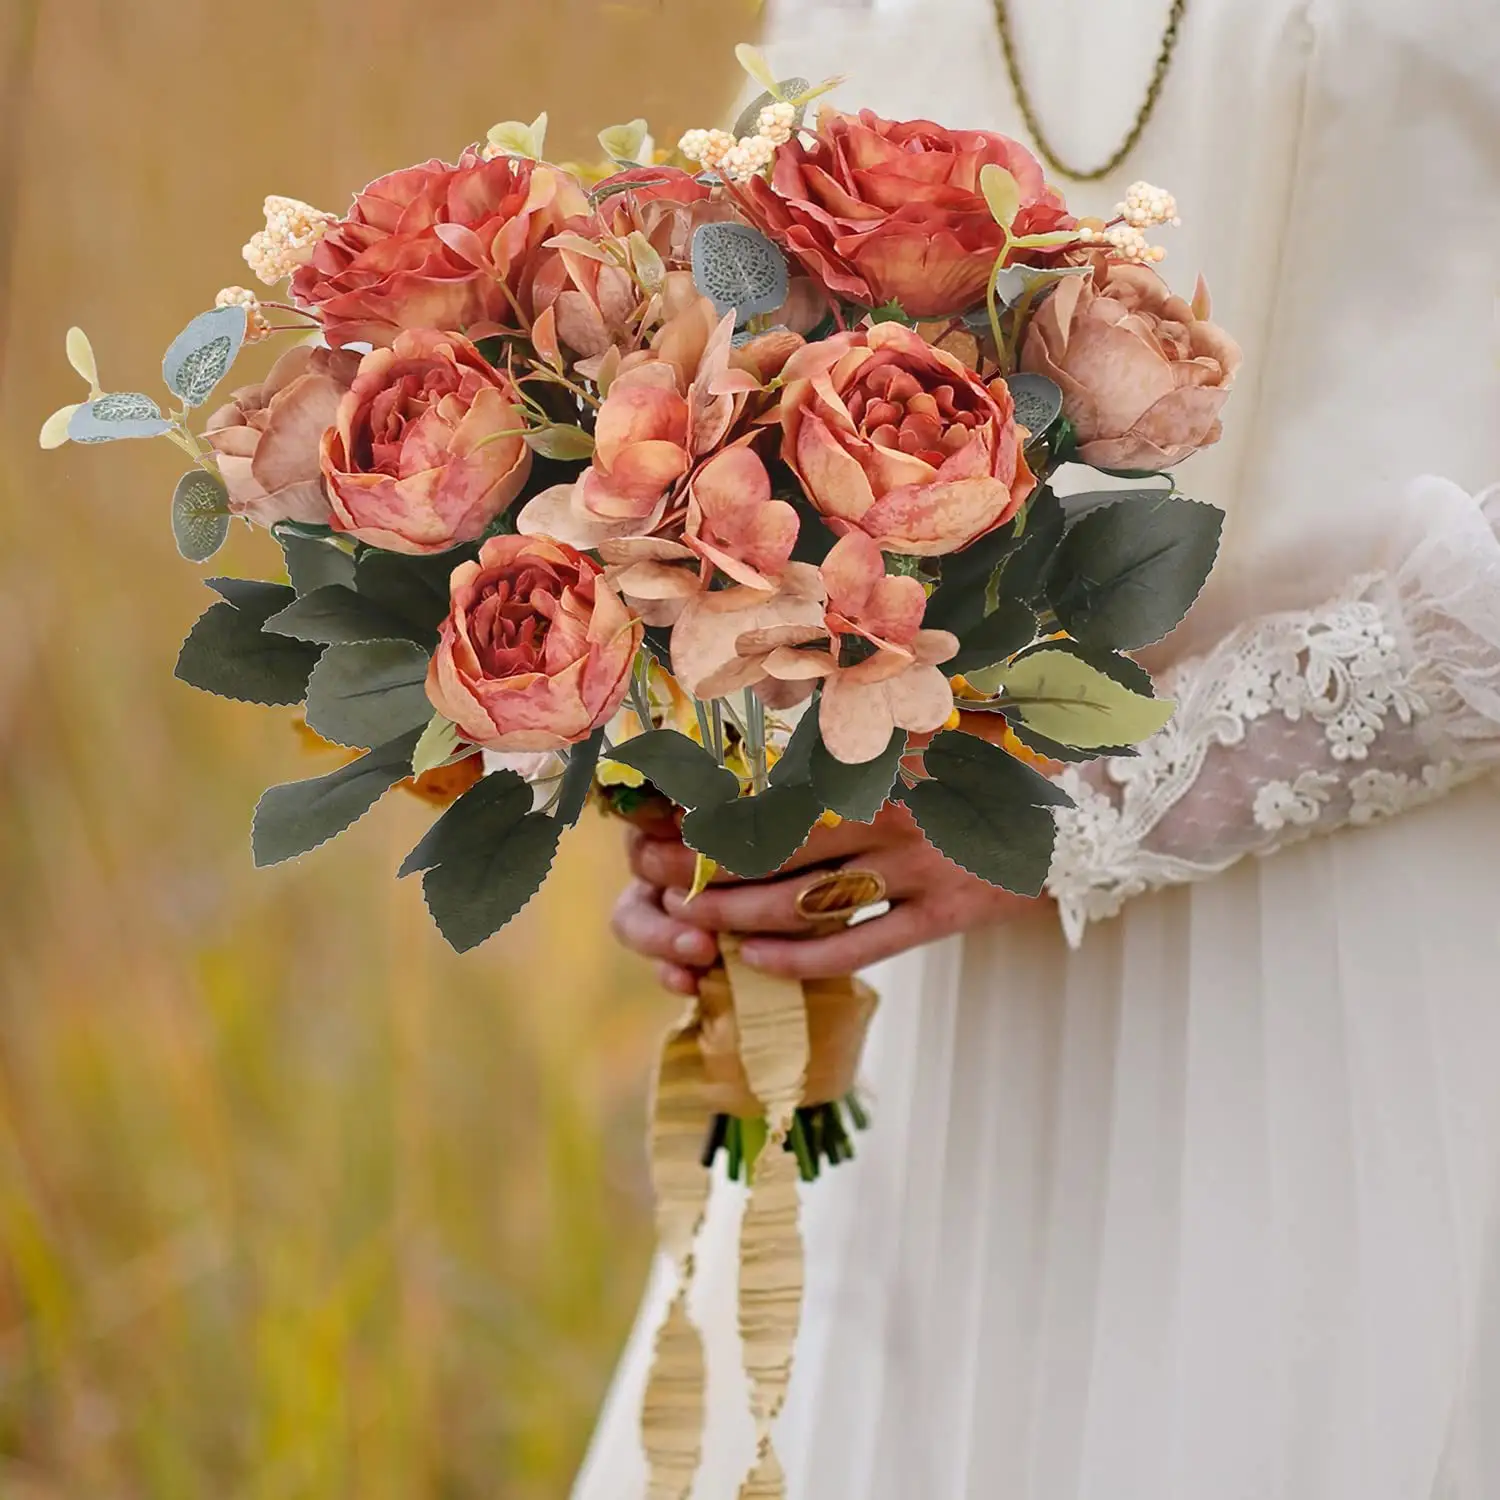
[[293, 1202]]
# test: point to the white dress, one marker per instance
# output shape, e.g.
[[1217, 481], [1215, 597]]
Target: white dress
[[1209, 1207]]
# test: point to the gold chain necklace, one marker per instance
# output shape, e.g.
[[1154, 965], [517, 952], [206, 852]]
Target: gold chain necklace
[[1142, 116]]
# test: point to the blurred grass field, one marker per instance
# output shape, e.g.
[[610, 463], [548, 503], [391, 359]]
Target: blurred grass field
[[294, 1204]]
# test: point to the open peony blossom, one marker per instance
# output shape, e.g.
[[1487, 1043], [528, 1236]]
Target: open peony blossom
[[880, 670], [667, 408], [1143, 373], [898, 439], [438, 246], [885, 209], [537, 650], [267, 436], [427, 448]]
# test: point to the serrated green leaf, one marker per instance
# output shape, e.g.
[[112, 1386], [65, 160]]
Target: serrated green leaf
[[414, 588], [438, 743], [1001, 192], [1061, 696], [794, 766], [1126, 573], [484, 859], [298, 816], [369, 693], [253, 595], [999, 635], [958, 602], [227, 653], [200, 515], [578, 778], [754, 836], [336, 615], [200, 356], [891, 312], [54, 431], [313, 562], [679, 767], [623, 143], [986, 811], [858, 791], [739, 268], [1029, 567]]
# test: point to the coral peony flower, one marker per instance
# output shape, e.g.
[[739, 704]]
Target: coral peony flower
[[881, 209], [537, 649], [427, 449], [897, 439], [1143, 373], [438, 246], [880, 670], [267, 436]]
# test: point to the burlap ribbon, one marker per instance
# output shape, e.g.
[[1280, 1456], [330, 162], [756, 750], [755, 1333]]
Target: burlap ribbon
[[756, 1046]]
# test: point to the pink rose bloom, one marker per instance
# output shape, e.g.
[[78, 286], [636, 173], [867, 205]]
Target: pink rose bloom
[[537, 649], [1143, 373], [881, 209], [897, 684], [267, 436], [427, 449], [438, 246], [898, 439]]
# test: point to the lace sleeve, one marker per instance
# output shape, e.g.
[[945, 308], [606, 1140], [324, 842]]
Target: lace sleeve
[[1298, 724]]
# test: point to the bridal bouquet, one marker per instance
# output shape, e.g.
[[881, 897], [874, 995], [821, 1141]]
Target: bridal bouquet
[[722, 475]]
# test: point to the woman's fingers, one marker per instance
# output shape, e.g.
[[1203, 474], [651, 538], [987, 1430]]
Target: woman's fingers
[[642, 926], [661, 862], [846, 952], [677, 979]]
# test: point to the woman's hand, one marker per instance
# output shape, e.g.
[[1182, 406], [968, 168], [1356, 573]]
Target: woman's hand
[[930, 898]]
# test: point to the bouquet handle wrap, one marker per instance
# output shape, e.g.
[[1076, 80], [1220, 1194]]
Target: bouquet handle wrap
[[756, 1046]]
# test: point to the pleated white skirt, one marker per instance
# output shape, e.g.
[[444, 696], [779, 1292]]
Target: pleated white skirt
[[1209, 1210]]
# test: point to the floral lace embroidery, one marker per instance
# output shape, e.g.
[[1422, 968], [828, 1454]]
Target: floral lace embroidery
[[1339, 669]]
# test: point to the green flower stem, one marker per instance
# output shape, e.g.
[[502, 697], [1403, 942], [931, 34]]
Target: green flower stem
[[706, 730], [640, 697], [807, 1162]]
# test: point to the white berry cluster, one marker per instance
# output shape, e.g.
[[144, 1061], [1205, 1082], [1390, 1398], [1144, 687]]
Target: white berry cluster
[[1146, 205], [257, 325], [1126, 241], [738, 160], [292, 229]]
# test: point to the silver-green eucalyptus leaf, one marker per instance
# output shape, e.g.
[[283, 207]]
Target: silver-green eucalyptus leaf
[[120, 414], [200, 356], [1038, 401], [739, 268], [200, 515]]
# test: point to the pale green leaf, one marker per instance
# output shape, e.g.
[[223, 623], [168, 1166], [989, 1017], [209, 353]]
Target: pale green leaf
[[1002, 192], [1046, 241], [751, 60], [1064, 698], [436, 746], [624, 143], [54, 431], [539, 133], [81, 357], [517, 138], [650, 270], [560, 442]]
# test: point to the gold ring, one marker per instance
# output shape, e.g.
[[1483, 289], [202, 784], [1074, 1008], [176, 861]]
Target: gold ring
[[836, 896]]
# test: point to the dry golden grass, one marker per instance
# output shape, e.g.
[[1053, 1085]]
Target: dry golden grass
[[294, 1204]]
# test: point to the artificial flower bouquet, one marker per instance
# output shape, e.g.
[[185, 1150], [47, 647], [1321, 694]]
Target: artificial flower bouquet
[[722, 476]]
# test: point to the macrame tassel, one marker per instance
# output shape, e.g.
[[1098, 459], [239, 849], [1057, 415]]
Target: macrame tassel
[[766, 1480], [673, 1411]]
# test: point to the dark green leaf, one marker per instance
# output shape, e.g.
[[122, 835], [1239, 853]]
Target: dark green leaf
[[858, 791], [1126, 573], [312, 562], [1000, 634], [200, 515], [367, 694], [679, 767], [794, 768], [1029, 567], [890, 312], [814, 539], [413, 588], [958, 602], [658, 641], [987, 811], [335, 615], [485, 858], [296, 817], [753, 836], [252, 595], [227, 653], [578, 778], [1068, 754], [1124, 669]]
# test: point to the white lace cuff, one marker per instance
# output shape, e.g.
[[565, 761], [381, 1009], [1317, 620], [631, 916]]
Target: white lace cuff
[[1301, 723]]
